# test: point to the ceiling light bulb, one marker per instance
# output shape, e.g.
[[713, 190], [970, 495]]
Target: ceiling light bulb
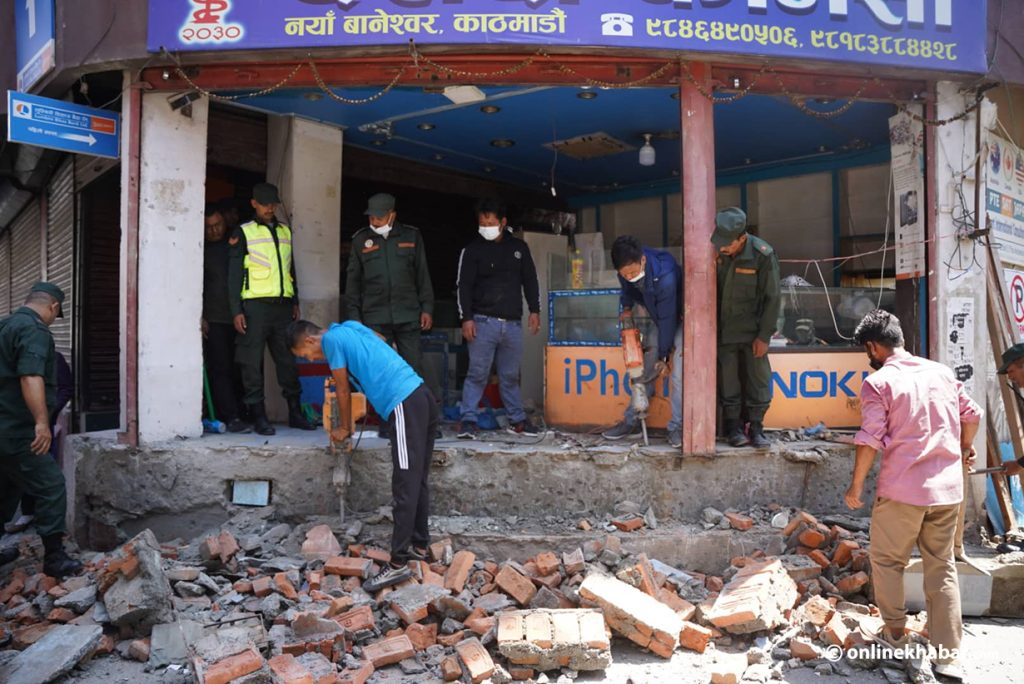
[[647, 153]]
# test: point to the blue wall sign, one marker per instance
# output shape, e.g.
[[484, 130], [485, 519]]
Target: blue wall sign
[[948, 35], [59, 125], [34, 35]]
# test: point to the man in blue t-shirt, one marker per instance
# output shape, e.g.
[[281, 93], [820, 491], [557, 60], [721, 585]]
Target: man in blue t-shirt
[[358, 355]]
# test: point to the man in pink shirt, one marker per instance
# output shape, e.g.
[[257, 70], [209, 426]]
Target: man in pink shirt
[[918, 415]]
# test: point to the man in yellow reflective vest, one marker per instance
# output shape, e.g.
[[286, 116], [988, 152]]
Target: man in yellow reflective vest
[[264, 300]]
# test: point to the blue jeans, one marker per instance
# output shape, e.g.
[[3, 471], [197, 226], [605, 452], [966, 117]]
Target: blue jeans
[[676, 384], [501, 341]]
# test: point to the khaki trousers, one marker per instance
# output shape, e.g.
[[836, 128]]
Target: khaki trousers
[[895, 529]]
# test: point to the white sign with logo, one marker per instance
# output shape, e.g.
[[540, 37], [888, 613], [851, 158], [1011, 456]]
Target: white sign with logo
[[1004, 197], [1015, 298]]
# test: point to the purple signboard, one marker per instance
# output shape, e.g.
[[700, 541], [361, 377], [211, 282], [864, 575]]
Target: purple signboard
[[947, 35]]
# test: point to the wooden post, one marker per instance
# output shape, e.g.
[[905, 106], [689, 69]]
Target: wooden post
[[700, 335]]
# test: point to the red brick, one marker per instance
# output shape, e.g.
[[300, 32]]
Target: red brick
[[515, 585], [55, 592], [694, 637], [728, 668], [836, 632], [757, 598], [314, 579], [359, 676], [289, 670], [476, 659], [15, 586], [458, 572], [739, 521], [633, 614], [714, 583], [646, 575], [284, 586], [377, 555], [520, 674], [818, 611], [481, 625], [819, 557], [844, 552], [812, 538], [397, 631], [422, 636], [356, 619], [357, 550], [629, 524], [803, 649], [683, 608], [539, 630], [242, 586], [262, 586], [851, 584], [348, 567], [139, 650], [47, 583], [450, 640], [61, 615], [549, 581], [438, 548], [573, 562], [24, 637], [222, 672], [209, 549], [338, 606], [107, 645], [547, 563], [430, 577], [389, 651], [450, 669], [320, 544], [860, 562]]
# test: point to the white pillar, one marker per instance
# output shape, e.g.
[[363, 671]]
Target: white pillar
[[955, 168], [304, 161], [171, 198]]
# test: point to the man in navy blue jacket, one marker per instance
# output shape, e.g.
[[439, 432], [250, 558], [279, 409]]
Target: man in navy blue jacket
[[653, 279]]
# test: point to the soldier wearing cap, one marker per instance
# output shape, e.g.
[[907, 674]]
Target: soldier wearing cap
[[388, 285], [264, 300], [28, 395], [748, 308], [1013, 368]]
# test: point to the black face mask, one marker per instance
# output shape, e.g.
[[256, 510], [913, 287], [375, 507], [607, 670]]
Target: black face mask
[[874, 363]]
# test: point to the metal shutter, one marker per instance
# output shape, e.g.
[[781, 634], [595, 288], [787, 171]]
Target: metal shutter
[[60, 248], [26, 253], [5, 273]]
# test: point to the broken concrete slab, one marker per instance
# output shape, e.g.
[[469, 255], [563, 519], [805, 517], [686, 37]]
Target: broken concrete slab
[[412, 603], [169, 643], [53, 655], [320, 544], [756, 599], [79, 601], [144, 600], [628, 611]]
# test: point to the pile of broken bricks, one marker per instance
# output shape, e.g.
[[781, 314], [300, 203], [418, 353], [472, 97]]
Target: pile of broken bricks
[[229, 609]]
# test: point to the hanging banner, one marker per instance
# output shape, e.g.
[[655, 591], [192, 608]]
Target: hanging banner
[[923, 34], [1004, 197], [906, 138]]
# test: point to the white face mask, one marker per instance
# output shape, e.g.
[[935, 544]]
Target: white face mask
[[382, 231], [490, 232], [637, 278]]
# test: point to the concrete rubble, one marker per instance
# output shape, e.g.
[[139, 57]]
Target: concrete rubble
[[260, 600]]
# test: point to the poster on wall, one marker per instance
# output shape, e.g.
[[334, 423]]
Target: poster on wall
[[906, 138], [960, 342], [1004, 197]]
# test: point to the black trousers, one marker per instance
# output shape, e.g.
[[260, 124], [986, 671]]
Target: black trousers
[[266, 323], [219, 355], [24, 473], [413, 425]]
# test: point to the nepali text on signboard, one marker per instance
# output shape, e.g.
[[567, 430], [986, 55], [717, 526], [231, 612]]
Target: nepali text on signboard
[[932, 34], [59, 125]]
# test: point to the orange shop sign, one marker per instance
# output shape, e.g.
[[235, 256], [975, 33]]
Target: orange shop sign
[[587, 387]]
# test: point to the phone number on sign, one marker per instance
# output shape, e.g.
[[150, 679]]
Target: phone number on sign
[[708, 31], [885, 45]]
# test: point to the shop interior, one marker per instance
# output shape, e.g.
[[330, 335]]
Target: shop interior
[[579, 166]]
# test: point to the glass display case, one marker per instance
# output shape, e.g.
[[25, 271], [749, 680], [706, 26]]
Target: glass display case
[[820, 319], [586, 317]]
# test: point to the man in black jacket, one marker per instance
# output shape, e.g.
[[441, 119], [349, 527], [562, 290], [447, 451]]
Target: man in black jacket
[[495, 271]]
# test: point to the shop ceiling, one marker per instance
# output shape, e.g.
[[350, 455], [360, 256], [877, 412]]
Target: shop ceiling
[[510, 136]]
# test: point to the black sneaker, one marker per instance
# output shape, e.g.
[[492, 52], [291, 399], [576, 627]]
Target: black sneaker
[[59, 565], [523, 427], [419, 554], [239, 426], [468, 430], [387, 577]]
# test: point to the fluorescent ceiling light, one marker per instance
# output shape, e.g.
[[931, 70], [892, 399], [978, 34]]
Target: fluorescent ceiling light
[[464, 94]]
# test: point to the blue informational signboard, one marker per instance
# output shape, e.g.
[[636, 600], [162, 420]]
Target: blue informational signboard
[[948, 35], [59, 125], [34, 35]]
